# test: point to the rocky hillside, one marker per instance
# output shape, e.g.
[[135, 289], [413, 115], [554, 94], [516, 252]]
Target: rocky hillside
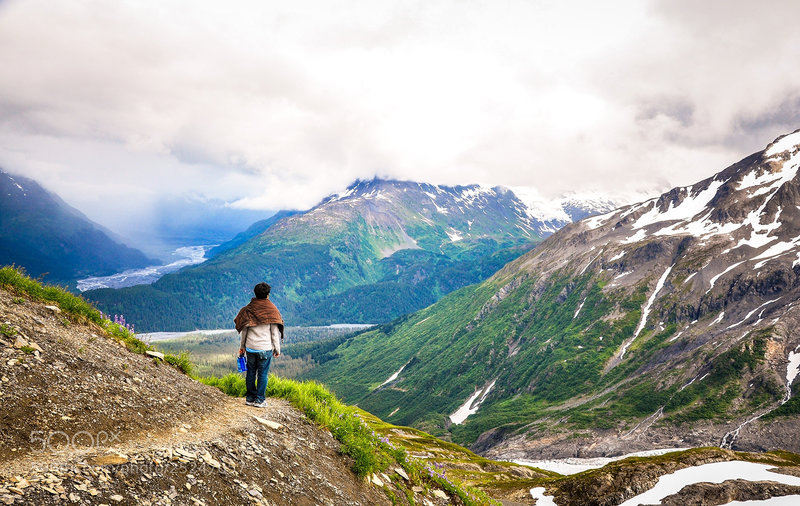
[[666, 323], [87, 421], [42, 233], [379, 250]]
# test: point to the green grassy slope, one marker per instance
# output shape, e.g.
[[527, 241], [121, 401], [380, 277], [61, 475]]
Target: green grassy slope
[[377, 447]]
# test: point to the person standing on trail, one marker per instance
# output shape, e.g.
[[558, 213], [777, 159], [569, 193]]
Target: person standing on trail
[[260, 325]]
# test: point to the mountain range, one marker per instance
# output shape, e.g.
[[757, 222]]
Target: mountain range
[[44, 234], [668, 323], [376, 251]]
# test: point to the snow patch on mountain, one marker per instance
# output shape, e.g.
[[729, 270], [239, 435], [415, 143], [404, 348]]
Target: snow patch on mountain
[[595, 221], [472, 193], [687, 209], [393, 376], [471, 406], [728, 269], [778, 249], [454, 235], [537, 493], [792, 370], [751, 313], [579, 309], [719, 319], [638, 236], [646, 310], [759, 235], [17, 185]]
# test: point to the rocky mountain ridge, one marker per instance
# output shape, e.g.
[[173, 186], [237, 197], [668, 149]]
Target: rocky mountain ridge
[[540, 216], [666, 323]]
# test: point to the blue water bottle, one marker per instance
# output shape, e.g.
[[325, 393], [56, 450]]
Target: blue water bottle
[[242, 363]]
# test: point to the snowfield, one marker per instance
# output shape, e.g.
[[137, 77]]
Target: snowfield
[[471, 406], [711, 473]]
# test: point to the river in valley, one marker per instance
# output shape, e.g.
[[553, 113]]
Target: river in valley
[[181, 257]]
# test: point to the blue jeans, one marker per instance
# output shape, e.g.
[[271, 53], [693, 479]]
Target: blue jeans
[[257, 375]]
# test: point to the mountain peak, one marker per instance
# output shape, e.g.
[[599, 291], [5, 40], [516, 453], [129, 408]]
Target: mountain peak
[[753, 201], [539, 215], [370, 188], [785, 143], [622, 328]]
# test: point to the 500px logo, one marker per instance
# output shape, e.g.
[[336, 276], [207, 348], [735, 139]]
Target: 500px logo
[[83, 439]]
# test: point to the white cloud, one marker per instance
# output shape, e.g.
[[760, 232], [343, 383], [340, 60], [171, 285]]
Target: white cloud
[[275, 106]]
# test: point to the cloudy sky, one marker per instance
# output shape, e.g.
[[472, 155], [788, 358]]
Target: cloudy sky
[[118, 106]]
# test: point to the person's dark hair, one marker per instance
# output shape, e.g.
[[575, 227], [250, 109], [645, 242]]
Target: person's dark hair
[[262, 290]]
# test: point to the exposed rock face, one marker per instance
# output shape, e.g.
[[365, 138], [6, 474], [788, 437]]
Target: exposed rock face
[[720, 260], [712, 494]]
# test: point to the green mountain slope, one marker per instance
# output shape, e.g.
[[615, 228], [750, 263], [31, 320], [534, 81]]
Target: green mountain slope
[[380, 250], [253, 230], [42, 233], [664, 323]]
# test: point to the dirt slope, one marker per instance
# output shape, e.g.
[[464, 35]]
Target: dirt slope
[[86, 421]]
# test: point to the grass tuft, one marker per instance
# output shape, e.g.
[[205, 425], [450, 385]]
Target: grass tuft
[[7, 330], [182, 361]]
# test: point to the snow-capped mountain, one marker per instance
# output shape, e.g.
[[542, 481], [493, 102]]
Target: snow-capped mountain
[[671, 322], [378, 250], [752, 205], [525, 207], [552, 214]]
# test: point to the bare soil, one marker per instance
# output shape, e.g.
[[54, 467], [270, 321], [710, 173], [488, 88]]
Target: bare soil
[[86, 421]]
